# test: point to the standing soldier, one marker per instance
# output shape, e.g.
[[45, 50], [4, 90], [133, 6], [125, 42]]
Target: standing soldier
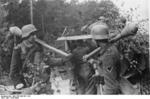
[[108, 66], [12, 38], [21, 54], [109, 60], [86, 82]]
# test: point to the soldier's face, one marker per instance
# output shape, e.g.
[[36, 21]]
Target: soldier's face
[[31, 39], [29, 42], [101, 43]]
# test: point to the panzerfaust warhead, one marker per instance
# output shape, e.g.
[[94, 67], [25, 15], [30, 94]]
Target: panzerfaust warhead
[[129, 29]]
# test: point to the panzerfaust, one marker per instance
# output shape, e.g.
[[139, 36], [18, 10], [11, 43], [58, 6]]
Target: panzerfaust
[[129, 30], [51, 48], [79, 37], [73, 38]]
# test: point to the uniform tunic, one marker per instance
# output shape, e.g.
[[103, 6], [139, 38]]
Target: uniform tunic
[[18, 63], [83, 71], [109, 68]]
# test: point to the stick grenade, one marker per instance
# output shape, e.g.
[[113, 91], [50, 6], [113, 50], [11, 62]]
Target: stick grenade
[[51, 48]]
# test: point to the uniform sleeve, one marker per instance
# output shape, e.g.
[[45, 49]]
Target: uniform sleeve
[[55, 61]]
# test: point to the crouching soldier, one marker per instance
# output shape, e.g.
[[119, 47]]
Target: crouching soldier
[[22, 53]]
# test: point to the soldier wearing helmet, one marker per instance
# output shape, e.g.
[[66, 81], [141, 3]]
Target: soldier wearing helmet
[[109, 59], [83, 70], [23, 52], [85, 74]]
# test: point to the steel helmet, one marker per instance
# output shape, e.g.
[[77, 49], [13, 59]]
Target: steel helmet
[[27, 30], [15, 30], [99, 31]]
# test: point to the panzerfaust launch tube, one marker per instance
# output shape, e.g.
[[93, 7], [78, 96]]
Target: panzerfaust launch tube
[[50, 47]]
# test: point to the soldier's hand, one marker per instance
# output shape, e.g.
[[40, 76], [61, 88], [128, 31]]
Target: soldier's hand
[[85, 57], [91, 61]]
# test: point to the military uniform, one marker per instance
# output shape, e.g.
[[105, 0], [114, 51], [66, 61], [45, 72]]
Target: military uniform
[[108, 60], [23, 54], [109, 68], [83, 71], [19, 62]]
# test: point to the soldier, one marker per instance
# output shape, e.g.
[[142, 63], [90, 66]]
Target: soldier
[[66, 63], [109, 59], [11, 39], [84, 81], [21, 54], [83, 71]]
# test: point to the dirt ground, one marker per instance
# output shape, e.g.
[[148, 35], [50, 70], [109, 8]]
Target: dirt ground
[[60, 86]]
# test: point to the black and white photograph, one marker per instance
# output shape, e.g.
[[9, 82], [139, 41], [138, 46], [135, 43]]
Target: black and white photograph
[[74, 47]]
